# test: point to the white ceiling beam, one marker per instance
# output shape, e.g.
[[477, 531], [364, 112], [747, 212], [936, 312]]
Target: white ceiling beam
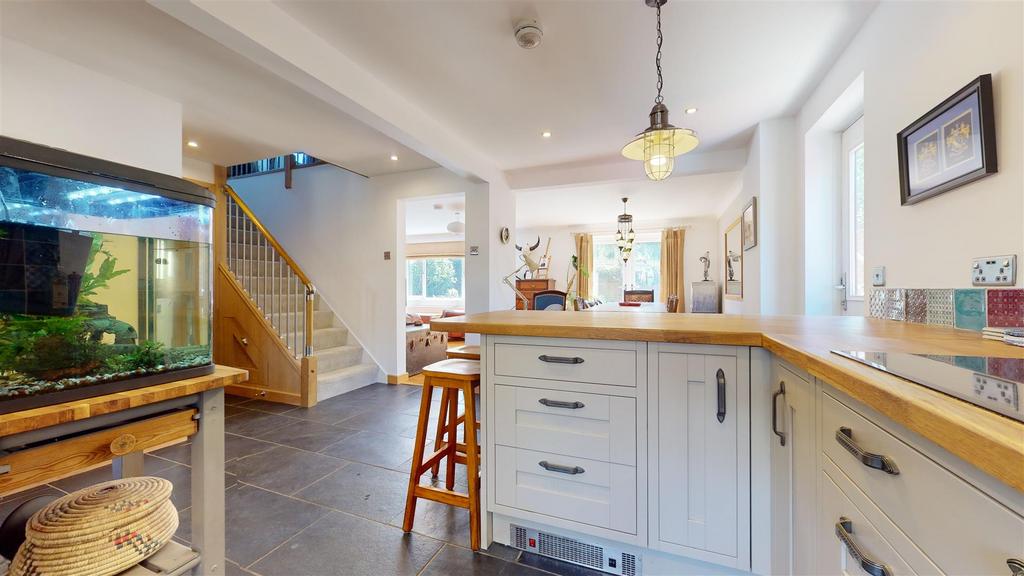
[[270, 37], [617, 169]]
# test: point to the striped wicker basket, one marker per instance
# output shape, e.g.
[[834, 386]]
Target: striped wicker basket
[[100, 530]]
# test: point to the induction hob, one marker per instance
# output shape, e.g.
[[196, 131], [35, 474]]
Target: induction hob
[[988, 382]]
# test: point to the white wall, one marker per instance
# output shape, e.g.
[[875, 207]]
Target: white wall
[[48, 100], [749, 188], [196, 169], [337, 225], [910, 63], [701, 235]]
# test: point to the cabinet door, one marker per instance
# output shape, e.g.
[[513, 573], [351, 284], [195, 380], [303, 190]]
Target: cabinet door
[[702, 453], [794, 470]]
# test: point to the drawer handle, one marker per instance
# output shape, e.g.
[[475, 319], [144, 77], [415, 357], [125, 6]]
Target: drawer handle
[[775, 413], [561, 404], [720, 376], [560, 359], [571, 470], [877, 461], [1016, 566], [844, 530]]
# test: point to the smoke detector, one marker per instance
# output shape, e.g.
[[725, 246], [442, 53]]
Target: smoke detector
[[528, 34]]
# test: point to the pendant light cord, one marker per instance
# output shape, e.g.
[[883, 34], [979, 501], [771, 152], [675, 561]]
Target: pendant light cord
[[657, 60]]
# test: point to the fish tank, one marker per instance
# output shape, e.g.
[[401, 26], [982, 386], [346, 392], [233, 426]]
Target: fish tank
[[105, 277]]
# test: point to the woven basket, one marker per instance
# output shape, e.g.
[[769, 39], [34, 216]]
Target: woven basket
[[101, 530]]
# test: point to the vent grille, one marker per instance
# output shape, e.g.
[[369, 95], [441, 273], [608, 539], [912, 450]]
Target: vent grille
[[574, 551], [628, 564], [570, 550]]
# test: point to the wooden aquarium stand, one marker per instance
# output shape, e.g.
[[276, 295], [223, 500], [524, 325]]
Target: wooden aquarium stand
[[52, 442]]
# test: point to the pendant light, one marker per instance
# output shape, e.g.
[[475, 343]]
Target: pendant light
[[456, 226], [625, 235], [661, 142]]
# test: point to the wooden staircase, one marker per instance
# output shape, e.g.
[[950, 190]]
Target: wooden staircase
[[269, 319]]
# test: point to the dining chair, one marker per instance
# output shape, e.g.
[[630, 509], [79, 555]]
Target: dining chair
[[638, 296], [549, 300]]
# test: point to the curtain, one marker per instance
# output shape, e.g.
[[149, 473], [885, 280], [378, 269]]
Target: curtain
[[585, 254], [672, 266]]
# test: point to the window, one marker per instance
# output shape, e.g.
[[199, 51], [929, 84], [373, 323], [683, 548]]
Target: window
[[643, 271], [853, 210], [435, 278]]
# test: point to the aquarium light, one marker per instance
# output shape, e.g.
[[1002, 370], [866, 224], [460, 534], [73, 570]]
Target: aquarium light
[[131, 198], [91, 192]]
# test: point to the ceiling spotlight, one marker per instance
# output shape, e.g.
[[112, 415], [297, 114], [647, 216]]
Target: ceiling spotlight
[[528, 34], [394, 157], [545, 134], [690, 110], [192, 144]]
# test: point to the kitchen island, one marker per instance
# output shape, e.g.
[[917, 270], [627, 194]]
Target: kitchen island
[[676, 441]]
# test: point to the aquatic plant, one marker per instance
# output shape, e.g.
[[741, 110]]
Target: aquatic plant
[[48, 347], [98, 280], [146, 356]]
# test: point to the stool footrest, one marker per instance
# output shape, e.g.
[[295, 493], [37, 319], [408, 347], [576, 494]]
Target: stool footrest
[[442, 495]]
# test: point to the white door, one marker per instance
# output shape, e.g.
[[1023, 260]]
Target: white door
[[850, 289], [794, 469], [702, 455]]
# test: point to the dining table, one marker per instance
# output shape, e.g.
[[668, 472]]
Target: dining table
[[643, 307]]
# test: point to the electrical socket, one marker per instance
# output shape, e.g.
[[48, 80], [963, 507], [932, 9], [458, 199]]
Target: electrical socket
[[878, 276], [994, 270]]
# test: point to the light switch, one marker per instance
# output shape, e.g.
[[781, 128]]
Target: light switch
[[878, 276], [994, 270]]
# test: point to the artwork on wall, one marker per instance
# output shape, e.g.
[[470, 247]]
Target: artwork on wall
[[951, 145], [750, 224]]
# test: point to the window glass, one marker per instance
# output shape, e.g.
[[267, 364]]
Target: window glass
[[645, 267], [414, 277], [607, 274], [435, 277], [611, 277]]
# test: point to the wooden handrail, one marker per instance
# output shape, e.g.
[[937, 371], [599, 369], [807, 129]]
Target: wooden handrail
[[270, 238]]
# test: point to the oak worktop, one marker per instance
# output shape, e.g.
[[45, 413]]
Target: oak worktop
[[993, 443]]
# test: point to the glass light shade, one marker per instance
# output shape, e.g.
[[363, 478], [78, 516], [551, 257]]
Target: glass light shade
[[456, 227], [657, 148]]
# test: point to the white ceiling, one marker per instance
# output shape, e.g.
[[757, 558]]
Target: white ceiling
[[422, 219], [705, 195], [592, 80], [235, 109]]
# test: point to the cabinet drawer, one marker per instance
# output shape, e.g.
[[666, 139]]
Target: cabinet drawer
[[592, 426], [598, 493], [834, 555], [924, 498], [612, 366]]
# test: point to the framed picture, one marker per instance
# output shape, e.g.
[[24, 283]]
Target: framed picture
[[734, 260], [750, 224], [951, 145]]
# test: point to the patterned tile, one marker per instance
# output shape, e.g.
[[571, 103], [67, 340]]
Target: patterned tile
[[940, 306], [969, 309], [917, 306], [895, 304], [876, 304], [1006, 308]]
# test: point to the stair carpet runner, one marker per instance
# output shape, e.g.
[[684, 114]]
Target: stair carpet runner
[[341, 366]]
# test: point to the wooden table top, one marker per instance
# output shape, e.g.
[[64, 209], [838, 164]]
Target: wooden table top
[[36, 418], [992, 442]]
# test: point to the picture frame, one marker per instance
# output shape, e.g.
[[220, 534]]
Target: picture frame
[[749, 224], [732, 265], [952, 145]]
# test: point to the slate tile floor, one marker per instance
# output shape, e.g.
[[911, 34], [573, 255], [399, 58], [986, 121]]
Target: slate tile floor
[[321, 491]]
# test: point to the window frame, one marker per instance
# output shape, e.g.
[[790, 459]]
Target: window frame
[[434, 300], [625, 270], [852, 142]]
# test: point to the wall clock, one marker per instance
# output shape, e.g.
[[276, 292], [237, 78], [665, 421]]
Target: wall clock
[[503, 235]]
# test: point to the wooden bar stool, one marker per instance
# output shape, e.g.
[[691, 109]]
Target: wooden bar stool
[[467, 352], [452, 376]]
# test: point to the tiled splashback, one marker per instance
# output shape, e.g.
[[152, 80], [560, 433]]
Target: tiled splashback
[[969, 308]]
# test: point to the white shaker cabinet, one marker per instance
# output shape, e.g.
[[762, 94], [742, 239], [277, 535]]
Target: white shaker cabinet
[[699, 418], [794, 471]]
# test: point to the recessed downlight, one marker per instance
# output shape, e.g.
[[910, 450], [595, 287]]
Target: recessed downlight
[[394, 157], [545, 134], [192, 144], [690, 110]]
